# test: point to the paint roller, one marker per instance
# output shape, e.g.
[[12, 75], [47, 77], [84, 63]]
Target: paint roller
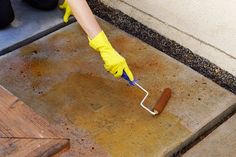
[[162, 101]]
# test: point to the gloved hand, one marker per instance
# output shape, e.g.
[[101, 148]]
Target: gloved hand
[[67, 9], [113, 61]]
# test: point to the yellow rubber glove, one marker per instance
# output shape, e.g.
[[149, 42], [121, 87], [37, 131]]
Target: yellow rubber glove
[[113, 61], [67, 9]]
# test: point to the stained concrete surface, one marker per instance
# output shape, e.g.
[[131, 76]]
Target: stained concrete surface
[[28, 22], [63, 79], [220, 143]]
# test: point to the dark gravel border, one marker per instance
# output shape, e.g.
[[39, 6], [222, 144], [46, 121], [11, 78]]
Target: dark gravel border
[[169, 47]]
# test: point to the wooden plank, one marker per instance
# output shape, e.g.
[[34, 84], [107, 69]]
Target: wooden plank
[[6, 97], [12, 147], [23, 133], [18, 120]]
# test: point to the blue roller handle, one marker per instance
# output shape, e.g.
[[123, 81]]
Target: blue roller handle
[[125, 76]]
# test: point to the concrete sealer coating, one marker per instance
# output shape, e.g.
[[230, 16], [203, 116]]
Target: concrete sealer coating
[[63, 79]]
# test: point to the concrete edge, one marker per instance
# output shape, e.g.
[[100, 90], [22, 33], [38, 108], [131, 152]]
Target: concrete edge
[[36, 37], [203, 132]]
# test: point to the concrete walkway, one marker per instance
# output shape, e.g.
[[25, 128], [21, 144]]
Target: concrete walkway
[[220, 143], [205, 27], [63, 79]]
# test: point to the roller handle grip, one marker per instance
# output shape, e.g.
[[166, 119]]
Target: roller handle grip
[[125, 76]]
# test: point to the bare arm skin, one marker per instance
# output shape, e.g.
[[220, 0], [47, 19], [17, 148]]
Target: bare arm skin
[[113, 61], [85, 17]]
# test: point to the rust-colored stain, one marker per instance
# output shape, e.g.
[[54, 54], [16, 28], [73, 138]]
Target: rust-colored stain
[[120, 126], [63, 79]]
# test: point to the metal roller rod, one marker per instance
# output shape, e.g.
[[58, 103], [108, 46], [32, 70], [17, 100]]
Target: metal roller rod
[[143, 106]]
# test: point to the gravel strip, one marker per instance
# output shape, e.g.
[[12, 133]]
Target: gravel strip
[[169, 47]]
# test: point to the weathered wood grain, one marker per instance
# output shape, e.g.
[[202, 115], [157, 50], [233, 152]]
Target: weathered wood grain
[[18, 120], [12, 147], [23, 133]]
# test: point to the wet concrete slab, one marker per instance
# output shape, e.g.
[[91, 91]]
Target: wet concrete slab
[[63, 79], [221, 142]]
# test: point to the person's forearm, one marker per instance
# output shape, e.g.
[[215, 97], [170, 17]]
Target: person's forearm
[[85, 17]]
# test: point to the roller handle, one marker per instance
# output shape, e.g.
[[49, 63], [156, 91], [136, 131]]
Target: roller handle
[[125, 76]]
